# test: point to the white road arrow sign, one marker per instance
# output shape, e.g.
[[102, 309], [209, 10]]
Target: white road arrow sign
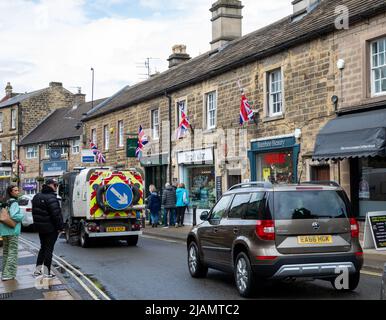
[[123, 199]]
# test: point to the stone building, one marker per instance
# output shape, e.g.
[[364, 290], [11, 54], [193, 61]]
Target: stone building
[[61, 130], [289, 72], [19, 114]]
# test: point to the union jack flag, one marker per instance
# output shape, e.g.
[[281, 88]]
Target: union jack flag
[[142, 141], [183, 126], [246, 112], [20, 165], [98, 154]]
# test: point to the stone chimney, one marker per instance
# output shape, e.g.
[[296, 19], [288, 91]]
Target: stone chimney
[[178, 56], [56, 84], [8, 90], [79, 98], [226, 22], [303, 6]]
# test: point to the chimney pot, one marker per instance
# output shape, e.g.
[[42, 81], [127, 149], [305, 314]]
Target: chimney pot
[[178, 56], [8, 90]]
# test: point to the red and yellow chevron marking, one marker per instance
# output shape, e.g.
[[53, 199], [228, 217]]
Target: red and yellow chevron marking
[[103, 178]]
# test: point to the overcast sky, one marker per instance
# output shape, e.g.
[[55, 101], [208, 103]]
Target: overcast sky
[[60, 40]]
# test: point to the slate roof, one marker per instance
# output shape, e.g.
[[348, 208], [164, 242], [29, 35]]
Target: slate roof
[[264, 42], [19, 98], [59, 125]]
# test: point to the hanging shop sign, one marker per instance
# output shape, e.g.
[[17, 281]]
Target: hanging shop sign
[[196, 156]]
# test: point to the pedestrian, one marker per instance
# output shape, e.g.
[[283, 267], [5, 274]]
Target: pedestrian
[[182, 204], [48, 221], [169, 203], [11, 235], [154, 206]]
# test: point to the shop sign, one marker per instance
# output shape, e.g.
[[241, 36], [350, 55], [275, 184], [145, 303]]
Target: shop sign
[[88, 156], [194, 156], [54, 167], [30, 186], [55, 153], [273, 144], [131, 147], [375, 231]]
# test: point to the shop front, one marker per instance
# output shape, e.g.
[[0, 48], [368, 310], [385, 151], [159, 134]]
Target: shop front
[[197, 172], [359, 139], [274, 159], [156, 167]]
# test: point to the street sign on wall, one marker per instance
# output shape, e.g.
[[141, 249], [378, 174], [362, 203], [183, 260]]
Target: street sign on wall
[[88, 156]]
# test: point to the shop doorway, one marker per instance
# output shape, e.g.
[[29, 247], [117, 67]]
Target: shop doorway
[[320, 173], [157, 176]]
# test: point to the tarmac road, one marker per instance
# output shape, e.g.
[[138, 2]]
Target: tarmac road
[[157, 269]]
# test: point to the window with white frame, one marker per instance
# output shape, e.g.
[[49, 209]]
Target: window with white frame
[[1, 152], [32, 152], [211, 110], [75, 146], [94, 136], [106, 137], [1, 121], [181, 107], [378, 67], [13, 149], [13, 119], [275, 96], [121, 134], [46, 151], [155, 123], [64, 151]]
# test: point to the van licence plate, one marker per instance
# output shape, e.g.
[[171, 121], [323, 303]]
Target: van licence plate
[[115, 229], [315, 240]]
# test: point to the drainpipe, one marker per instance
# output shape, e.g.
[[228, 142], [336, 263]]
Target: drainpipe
[[170, 136]]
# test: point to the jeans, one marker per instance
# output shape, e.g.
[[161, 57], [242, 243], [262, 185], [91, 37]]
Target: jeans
[[180, 215], [171, 214], [10, 253], [154, 217], [47, 243]]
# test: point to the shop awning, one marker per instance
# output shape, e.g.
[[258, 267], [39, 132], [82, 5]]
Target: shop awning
[[352, 135]]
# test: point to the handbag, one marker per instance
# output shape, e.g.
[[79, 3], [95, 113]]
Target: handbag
[[6, 219]]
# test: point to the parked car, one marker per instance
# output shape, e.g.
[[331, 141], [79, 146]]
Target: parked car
[[25, 203], [260, 231], [383, 288]]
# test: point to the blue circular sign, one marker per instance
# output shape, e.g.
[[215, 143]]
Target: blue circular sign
[[119, 196]]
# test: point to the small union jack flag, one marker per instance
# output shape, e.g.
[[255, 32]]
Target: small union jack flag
[[246, 112], [20, 165], [183, 126], [98, 154], [142, 141]]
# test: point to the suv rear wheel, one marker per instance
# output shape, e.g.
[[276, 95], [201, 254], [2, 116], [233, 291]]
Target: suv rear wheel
[[196, 268], [352, 284], [244, 276]]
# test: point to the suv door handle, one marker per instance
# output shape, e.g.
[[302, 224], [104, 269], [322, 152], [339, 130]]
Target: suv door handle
[[235, 230]]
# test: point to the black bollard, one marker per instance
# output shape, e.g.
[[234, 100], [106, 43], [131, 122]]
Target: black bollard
[[194, 215]]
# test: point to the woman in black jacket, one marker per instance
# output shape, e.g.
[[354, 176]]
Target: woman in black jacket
[[48, 221]]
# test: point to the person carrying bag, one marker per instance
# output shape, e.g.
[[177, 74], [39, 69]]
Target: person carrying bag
[[10, 228]]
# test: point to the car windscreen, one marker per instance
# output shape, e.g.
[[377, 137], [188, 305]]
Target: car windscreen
[[320, 204]]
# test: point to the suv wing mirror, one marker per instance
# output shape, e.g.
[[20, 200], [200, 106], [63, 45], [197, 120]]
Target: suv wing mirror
[[204, 216]]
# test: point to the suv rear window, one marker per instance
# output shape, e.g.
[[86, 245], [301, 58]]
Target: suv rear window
[[291, 205]]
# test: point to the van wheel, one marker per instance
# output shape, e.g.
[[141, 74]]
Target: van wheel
[[352, 284], [84, 239], [244, 276], [196, 268], [132, 241]]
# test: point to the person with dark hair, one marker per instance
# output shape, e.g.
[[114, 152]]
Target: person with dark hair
[[169, 203], [48, 221], [11, 235], [154, 205]]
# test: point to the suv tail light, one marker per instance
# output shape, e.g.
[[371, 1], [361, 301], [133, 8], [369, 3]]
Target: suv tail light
[[354, 228], [265, 229]]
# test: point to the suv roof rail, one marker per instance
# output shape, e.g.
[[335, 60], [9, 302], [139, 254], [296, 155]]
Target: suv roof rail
[[259, 184], [325, 182]]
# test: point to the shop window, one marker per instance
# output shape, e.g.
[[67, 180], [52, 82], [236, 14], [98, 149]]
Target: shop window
[[372, 185], [378, 67], [276, 167], [202, 187], [274, 91], [239, 206], [220, 208]]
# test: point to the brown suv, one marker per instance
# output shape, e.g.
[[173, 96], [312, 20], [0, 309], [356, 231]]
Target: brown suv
[[262, 231]]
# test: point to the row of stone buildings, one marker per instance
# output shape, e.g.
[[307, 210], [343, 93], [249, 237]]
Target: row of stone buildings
[[316, 81]]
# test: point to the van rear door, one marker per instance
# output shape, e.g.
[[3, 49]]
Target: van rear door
[[311, 220]]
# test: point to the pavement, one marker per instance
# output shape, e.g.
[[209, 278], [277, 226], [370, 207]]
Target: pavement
[[373, 260], [26, 287]]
